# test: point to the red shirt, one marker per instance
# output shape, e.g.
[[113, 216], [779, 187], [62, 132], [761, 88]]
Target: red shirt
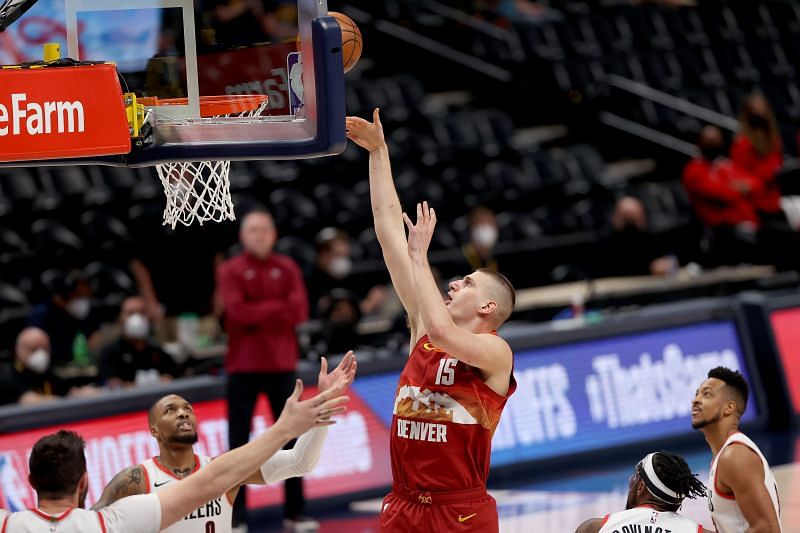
[[264, 302], [443, 422], [764, 168], [714, 199]]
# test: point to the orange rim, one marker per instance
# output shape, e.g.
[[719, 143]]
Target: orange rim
[[213, 106]]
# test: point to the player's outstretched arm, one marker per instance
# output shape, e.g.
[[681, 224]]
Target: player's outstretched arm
[[127, 483], [592, 525], [488, 352], [232, 468], [387, 212], [741, 472], [304, 456]]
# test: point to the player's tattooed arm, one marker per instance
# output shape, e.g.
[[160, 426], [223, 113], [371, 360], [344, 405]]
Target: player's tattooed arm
[[127, 483]]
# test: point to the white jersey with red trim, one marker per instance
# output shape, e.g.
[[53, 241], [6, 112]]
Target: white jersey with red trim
[[214, 517], [647, 520], [725, 511], [141, 514]]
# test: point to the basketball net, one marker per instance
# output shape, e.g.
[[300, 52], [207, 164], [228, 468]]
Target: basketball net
[[199, 191]]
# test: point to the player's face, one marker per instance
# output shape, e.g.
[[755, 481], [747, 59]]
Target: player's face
[[709, 400], [465, 297], [176, 422], [633, 489]]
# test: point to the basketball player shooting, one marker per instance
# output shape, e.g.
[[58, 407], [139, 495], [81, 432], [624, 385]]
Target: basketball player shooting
[[173, 424], [458, 376]]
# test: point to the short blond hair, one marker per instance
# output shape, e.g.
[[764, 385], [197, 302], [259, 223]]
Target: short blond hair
[[503, 293]]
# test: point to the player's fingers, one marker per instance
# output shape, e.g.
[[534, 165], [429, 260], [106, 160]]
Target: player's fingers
[[323, 366], [347, 361], [333, 403], [419, 213], [333, 411], [408, 222], [376, 116], [433, 217], [298, 390]]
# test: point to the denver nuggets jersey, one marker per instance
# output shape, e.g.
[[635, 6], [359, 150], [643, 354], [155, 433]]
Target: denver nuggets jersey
[[214, 517], [443, 422], [140, 513], [725, 512], [646, 519]]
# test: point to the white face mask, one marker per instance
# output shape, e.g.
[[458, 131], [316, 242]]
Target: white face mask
[[39, 361], [340, 267], [136, 327], [484, 235], [79, 308]]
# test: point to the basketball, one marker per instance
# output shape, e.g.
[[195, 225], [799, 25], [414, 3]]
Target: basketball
[[351, 40]]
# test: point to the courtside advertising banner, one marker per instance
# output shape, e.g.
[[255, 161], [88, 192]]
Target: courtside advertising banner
[[786, 329], [601, 393], [355, 456]]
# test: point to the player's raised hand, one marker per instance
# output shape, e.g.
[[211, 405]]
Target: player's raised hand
[[298, 416], [420, 234], [342, 375], [366, 134]]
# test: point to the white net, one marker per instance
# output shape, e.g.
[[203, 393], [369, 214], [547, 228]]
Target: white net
[[196, 191], [199, 191]]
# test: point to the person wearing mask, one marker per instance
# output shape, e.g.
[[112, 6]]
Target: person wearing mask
[[483, 234], [721, 195], [757, 149], [134, 359], [69, 321], [331, 269], [28, 379], [264, 301], [632, 250]]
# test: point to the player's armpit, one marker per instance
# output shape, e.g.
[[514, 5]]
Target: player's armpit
[[486, 351], [127, 483], [741, 471], [592, 525]]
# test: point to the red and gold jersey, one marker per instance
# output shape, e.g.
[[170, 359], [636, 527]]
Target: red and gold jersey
[[444, 419]]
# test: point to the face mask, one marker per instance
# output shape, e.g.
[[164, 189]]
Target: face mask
[[136, 327], [484, 235], [712, 152], [79, 308], [340, 267], [39, 361]]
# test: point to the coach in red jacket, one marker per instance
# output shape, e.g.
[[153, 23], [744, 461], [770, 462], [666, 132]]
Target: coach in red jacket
[[265, 299]]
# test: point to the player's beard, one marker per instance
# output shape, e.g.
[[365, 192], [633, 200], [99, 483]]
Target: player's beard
[[700, 424], [82, 498], [186, 438]]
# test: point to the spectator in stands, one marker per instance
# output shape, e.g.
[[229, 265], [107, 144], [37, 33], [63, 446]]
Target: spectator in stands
[[331, 269], [264, 300], [69, 321], [339, 321], [631, 249], [483, 235], [28, 379], [721, 195], [134, 358], [175, 274], [757, 149]]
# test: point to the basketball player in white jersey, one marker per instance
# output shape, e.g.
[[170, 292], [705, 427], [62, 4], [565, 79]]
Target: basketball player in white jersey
[[58, 474], [742, 493], [657, 488], [173, 424]]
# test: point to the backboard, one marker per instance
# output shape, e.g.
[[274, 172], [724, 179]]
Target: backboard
[[193, 49]]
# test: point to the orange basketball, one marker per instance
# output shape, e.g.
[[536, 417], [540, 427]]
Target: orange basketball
[[351, 40]]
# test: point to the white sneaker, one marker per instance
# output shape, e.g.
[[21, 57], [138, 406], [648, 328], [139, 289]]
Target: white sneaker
[[300, 524]]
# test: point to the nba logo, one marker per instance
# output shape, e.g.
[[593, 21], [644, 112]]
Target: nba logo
[[15, 494], [294, 66]]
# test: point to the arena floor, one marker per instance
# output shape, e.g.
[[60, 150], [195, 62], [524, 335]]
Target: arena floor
[[564, 500]]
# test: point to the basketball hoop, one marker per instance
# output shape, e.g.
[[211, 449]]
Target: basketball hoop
[[200, 190]]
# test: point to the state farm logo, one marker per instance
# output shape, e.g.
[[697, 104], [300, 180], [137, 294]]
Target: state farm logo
[[32, 118], [15, 493]]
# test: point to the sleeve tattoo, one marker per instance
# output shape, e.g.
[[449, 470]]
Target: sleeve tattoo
[[127, 483]]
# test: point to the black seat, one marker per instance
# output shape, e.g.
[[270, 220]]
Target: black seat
[[55, 241], [298, 249], [104, 232], [292, 210]]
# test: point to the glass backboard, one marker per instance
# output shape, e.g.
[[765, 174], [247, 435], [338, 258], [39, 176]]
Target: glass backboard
[[194, 49]]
